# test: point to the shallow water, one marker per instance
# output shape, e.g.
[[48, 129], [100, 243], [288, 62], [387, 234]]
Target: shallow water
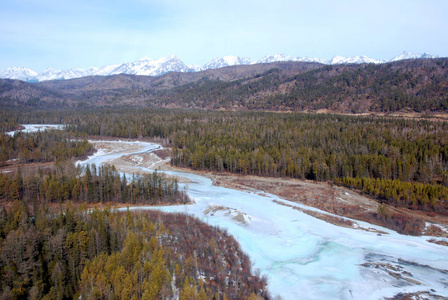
[[305, 257]]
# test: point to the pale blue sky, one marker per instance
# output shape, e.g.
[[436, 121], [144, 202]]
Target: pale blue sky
[[77, 34]]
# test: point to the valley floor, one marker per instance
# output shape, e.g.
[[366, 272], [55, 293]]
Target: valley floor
[[314, 254], [342, 205]]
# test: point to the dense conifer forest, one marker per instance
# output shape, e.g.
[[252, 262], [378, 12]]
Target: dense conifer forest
[[93, 184], [43, 146], [398, 161], [68, 253]]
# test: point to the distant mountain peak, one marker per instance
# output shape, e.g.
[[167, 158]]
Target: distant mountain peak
[[410, 55], [274, 58], [154, 67], [226, 61], [19, 73]]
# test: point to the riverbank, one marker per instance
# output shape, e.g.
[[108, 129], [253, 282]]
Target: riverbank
[[335, 200]]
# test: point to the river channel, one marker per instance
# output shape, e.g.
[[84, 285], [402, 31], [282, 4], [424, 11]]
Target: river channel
[[305, 257]]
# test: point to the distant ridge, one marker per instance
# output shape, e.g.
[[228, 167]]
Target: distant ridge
[[412, 85], [156, 67]]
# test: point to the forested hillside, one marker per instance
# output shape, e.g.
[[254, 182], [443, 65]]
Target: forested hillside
[[411, 86], [416, 85], [67, 253]]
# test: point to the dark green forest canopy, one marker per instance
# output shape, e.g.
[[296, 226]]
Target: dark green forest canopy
[[42, 146], [307, 146], [102, 184]]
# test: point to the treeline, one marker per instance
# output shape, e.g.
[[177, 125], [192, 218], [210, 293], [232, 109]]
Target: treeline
[[414, 195], [7, 125], [324, 148], [316, 147], [90, 185], [42, 146], [67, 254]]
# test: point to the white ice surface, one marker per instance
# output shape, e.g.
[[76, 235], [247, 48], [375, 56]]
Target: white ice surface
[[103, 155], [307, 258], [37, 127]]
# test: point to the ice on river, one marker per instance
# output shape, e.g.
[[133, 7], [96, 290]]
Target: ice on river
[[37, 127], [307, 258]]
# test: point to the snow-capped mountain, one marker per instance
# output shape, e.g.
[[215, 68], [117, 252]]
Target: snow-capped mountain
[[311, 59], [275, 58], [335, 60], [52, 74], [196, 68], [155, 67], [19, 73], [340, 60], [409, 55], [105, 70], [151, 67], [220, 62], [144, 66]]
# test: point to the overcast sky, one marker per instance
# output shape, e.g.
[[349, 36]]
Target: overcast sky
[[39, 34]]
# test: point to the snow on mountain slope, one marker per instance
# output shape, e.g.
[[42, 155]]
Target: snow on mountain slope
[[409, 55], [155, 67], [337, 60], [196, 68], [105, 70], [52, 74], [275, 58], [152, 67], [310, 59], [19, 73], [220, 62], [363, 60]]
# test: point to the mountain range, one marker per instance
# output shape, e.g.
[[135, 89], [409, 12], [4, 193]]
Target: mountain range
[[155, 67]]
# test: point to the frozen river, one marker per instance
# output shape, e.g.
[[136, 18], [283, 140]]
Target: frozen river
[[37, 127], [307, 258]]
